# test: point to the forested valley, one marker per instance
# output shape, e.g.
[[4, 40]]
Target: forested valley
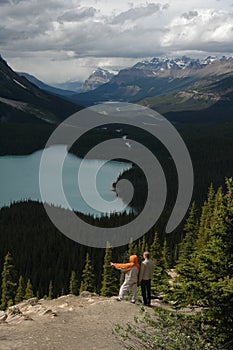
[[37, 260]]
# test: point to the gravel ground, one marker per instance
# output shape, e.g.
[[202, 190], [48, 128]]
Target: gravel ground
[[66, 323]]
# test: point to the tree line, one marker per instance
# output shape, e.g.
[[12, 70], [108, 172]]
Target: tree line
[[15, 289], [44, 263], [205, 263]]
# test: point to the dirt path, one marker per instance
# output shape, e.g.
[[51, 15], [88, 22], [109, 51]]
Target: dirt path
[[81, 323]]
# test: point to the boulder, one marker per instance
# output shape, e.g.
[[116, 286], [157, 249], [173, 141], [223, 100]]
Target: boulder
[[3, 316]]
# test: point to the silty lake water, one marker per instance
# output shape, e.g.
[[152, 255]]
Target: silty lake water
[[19, 178]]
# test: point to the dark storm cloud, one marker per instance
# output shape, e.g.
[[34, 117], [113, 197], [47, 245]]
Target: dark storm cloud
[[91, 30], [190, 14], [10, 2], [138, 12], [27, 19], [79, 14], [42, 26]]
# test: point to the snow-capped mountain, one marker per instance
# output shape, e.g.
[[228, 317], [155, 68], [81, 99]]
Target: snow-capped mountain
[[156, 77], [97, 78], [158, 65]]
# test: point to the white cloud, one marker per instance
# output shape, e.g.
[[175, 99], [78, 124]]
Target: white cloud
[[100, 35], [207, 29], [135, 13], [77, 35], [65, 68]]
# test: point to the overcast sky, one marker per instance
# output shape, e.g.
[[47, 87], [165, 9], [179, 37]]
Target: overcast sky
[[60, 40]]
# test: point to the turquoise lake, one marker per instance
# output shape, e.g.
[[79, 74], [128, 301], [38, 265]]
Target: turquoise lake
[[19, 178]]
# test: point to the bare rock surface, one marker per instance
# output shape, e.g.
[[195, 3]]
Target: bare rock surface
[[73, 323], [85, 322]]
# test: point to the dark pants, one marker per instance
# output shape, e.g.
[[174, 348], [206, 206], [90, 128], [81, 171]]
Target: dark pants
[[146, 291]]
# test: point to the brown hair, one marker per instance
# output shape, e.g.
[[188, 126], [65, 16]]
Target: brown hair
[[147, 255]]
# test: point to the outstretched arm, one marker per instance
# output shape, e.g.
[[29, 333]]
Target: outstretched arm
[[119, 266]]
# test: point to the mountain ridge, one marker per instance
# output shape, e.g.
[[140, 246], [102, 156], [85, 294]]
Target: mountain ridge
[[97, 78], [46, 87], [156, 77], [65, 90], [200, 95], [22, 101]]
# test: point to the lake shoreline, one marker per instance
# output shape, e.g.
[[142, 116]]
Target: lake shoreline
[[95, 174]]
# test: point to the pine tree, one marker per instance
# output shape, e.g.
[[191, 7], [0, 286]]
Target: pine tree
[[132, 247], [73, 283], [9, 284], [29, 291], [144, 245], [156, 257], [165, 255], [50, 295], [188, 243], [140, 248], [211, 281], [20, 291], [160, 276], [218, 209], [88, 276], [109, 279], [206, 217]]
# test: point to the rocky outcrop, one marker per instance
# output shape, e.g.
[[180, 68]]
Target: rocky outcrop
[[68, 322], [97, 78], [3, 316]]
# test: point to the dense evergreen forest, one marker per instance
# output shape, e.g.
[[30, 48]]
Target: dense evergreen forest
[[205, 263], [210, 147], [42, 256], [204, 282], [38, 260]]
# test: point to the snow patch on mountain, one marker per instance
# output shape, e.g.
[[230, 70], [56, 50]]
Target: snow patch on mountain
[[17, 82], [97, 78], [164, 63]]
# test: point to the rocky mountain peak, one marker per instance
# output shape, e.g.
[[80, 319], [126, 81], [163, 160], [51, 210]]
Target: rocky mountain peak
[[162, 64], [97, 78]]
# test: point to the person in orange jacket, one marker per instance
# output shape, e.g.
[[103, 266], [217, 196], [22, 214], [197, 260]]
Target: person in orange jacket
[[131, 271]]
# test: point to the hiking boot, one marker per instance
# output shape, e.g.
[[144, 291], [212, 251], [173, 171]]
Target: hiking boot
[[119, 299]]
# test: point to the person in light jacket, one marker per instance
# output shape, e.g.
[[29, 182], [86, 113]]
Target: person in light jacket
[[131, 271], [145, 276]]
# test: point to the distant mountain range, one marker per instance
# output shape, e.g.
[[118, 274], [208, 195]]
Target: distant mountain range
[[157, 65], [21, 101], [196, 96], [74, 86], [97, 78], [49, 88], [181, 88], [162, 77]]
